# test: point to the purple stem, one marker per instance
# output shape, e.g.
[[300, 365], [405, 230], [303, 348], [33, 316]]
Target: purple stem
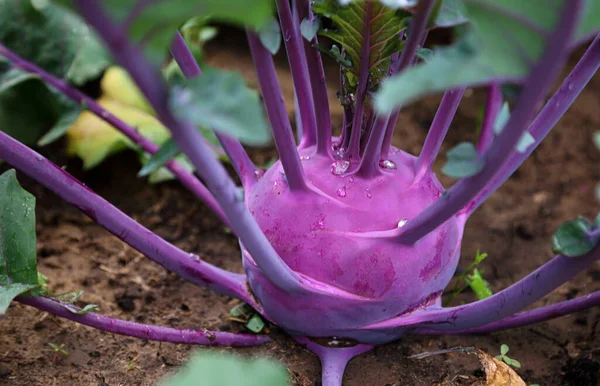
[[437, 131], [363, 82], [556, 107], [393, 121], [277, 113], [318, 84], [119, 224], [298, 119], [521, 319], [369, 165], [299, 68], [505, 303], [541, 76], [492, 108], [244, 167], [143, 331], [186, 178], [594, 235], [333, 359], [190, 141]]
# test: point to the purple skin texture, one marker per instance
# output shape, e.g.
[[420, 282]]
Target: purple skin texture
[[325, 245]]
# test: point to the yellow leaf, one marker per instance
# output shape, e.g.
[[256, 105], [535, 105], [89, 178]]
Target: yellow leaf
[[92, 139], [116, 84], [497, 372]]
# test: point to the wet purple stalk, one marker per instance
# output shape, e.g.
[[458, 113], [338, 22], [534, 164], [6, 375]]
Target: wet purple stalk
[[353, 152], [502, 304], [437, 131], [318, 84], [333, 359], [143, 331], [369, 165], [188, 266], [242, 164], [277, 113], [299, 68], [536, 86], [190, 141], [186, 178], [526, 318], [493, 105], [554, 109]]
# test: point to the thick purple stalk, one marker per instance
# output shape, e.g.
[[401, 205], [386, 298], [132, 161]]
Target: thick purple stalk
[[143, 331], [242, 164], [333, 359], [437, 131], [502, 304], [299, 68], [369, 165], [543, 72], [492, 108], [186, 178], [190, 141], [318, 84], [526, 318], [119, 224], [277, 113], [594, 235], [554, 109], [361, 91]]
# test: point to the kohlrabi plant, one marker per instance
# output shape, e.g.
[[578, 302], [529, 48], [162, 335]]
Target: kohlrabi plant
[[347, 242]]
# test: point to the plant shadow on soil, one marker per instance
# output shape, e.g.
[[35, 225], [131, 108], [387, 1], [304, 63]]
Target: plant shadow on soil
[[514, 227]]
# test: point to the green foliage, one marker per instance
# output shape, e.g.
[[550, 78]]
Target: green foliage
[[270, 36], [501, 120], [571, 238], [57, 40], [168, 150], [221, 100], [506, 37], [509, 361], [478, 285], [383, 42], [464, 277], [243, 313], [462, 161], [18, 270], [204, 369], [157, 21]]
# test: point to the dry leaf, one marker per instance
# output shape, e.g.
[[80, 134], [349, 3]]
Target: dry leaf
[[497, 372]]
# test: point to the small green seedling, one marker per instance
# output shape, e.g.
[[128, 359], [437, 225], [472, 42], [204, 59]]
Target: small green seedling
[[474, 280], [504, 358], [58, 351], [243, 313]]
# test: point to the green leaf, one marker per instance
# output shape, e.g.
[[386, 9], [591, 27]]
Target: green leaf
[[168, 151], [270, 36], [462, 161], [504, 349], [570, 239], [310, 28], [11, 76], [204, 369], [221, 100], [451, 13], [506, 38], [385, 25], [478, 285], [524, 143], [54, 38], [597, 139], [17, 233], [10, 291], [596, 223], [502, 118], [157, 21], [255, 324], [59, 129], [514, 363], [88, 308]]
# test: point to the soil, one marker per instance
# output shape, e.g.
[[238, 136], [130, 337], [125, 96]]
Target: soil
[[514, 227]]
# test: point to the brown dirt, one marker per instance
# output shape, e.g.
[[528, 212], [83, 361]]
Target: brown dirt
[[514, 227]]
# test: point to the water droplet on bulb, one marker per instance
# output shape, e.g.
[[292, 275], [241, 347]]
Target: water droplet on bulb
[[339, 167], [259, 173], [304, 157], [402, 222], [341, 191], [387, 164], [40, 158], [570, 86], [369, 195]]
